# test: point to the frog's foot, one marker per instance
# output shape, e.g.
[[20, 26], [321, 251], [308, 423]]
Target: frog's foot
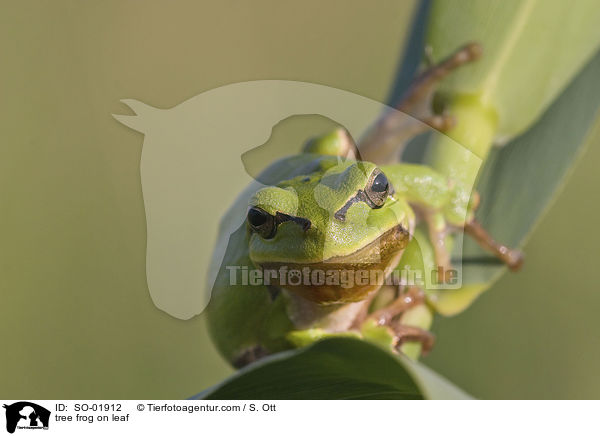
[[388, 329], [511, 257], [418, 97], [406, 300], [407, 333], [413, 112]]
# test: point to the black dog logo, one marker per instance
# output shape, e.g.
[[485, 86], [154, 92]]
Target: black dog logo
[[33, 416]]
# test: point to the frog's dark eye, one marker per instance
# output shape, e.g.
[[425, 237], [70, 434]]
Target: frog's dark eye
[[378, 188], [261, 222], [380, 183]]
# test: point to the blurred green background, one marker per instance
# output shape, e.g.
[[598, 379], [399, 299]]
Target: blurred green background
[[76, 319]]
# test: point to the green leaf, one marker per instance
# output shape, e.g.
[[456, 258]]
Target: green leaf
[[336, 368], [520, 180], [537, 79], [532, 50]]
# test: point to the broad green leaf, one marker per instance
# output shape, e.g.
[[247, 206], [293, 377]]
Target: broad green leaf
[[529, 82], [520, 180], [337, 368], [532, 50]]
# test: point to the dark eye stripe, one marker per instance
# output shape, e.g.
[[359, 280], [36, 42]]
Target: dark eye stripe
[[341, 213], [360, 196], [266, 225], [283, 217]]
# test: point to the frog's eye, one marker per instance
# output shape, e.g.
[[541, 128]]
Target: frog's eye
[[262, 222], [378, 188]]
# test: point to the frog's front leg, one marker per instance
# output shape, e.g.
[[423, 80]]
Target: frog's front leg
[[393, 334], [408, 299], [388, 326], [408, 333], [400, 322]]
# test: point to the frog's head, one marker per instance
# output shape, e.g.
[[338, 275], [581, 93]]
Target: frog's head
[[341, 227]]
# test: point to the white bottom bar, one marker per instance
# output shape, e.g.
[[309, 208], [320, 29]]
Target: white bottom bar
[[302, 417]]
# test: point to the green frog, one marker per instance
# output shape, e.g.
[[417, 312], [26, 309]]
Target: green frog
[[327, 229]]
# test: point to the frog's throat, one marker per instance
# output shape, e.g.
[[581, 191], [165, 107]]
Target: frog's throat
[[342, 279]]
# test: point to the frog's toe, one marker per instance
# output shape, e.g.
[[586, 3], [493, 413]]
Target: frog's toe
[[407, 333]]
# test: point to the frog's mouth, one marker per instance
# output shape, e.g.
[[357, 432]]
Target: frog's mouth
[[342, 279]]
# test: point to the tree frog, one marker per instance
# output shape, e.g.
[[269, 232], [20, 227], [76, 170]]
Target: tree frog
[[327, 229]]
